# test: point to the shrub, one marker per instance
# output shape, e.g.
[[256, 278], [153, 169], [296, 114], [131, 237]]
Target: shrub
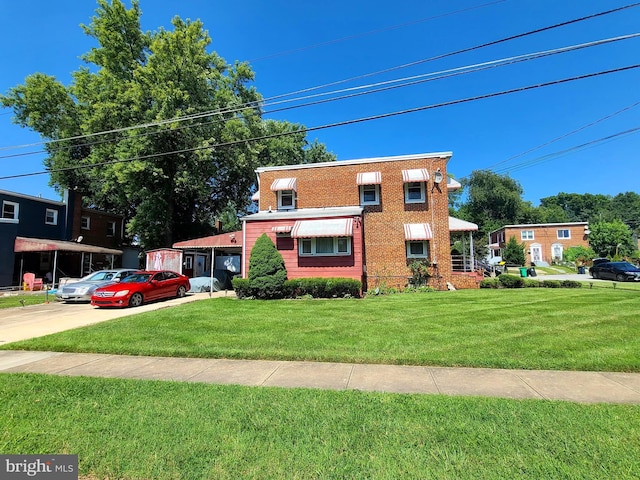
[[267, 272], [511, 281], [530, 283], [420, 272], [551, 283], [490, 283], [513, 252], [241, 287], [571, 284], [322, 287]]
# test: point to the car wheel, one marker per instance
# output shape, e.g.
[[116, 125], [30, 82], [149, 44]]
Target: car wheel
[[182, 291], [594, 275], [136, 300], [621, 277]]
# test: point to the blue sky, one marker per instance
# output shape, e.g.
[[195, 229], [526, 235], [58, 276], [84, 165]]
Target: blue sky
[[297, 45]]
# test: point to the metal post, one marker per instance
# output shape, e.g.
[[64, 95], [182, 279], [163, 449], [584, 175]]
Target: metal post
[[55, 267], [212, 265]]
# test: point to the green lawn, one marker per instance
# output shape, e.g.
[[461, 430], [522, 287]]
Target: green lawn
[[24, 299], [131, 429], [571, 329]]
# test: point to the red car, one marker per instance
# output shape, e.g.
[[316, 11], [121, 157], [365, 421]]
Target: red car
[[140, 287]]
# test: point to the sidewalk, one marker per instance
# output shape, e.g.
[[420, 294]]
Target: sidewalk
[[582, 387]]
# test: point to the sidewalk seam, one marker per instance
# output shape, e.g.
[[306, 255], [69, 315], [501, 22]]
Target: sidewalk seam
[[540, 394]]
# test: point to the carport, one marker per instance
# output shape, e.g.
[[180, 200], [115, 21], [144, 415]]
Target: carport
[[34, 245]]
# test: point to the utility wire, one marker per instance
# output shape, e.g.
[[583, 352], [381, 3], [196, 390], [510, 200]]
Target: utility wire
[[384, 86], [335, 124], [253, 104]]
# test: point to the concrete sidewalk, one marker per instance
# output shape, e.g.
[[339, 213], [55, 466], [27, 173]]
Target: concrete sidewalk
[[583, 387]]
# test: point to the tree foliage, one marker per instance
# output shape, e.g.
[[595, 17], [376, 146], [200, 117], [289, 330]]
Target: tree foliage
[[514, 252], [611, 239], [169, 178]]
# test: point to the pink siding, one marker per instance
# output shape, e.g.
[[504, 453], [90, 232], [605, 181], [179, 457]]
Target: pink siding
[[349, 266]]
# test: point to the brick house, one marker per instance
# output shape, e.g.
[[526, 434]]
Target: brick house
[[544, 242], [366, 219]]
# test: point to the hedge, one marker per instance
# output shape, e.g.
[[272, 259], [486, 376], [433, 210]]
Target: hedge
[[301, 287]]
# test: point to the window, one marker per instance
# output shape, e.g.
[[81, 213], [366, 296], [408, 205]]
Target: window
[[10, 210], [564, 233], [85, 223], [414, 192], [286, 200], [324, 246], [111, 229], [417, 249], [526, 234], [188, 262], [369, 194], [51, 217]]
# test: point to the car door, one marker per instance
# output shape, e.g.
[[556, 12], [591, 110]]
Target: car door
[[607, 272], [157, 285], [172, 281]]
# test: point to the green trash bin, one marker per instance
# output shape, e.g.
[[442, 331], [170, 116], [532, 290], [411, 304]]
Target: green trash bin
[[523, 272]]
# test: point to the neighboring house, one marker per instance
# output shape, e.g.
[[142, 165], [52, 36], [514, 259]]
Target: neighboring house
[[545, 242], [366, 219], [43, 236]]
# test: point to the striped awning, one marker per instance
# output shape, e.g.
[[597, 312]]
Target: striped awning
[[415, 175], [335, 227], [369, 178], [282, 229], [283, 184], [417, 231]]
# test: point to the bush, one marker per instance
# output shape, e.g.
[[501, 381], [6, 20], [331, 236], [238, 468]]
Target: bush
[[513, 252], [511, 281], [551, 283], [490, 283], [322, 287], [530, 283], [267, 272], [241, 287], [571, 284]]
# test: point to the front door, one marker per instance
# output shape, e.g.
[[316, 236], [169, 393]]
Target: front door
[[556, 252], [201, 261], [536, 252], [188, 266]]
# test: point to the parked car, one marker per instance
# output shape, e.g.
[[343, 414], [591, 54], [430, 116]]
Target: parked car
[[620, 271], [140, 287], [82, 290]]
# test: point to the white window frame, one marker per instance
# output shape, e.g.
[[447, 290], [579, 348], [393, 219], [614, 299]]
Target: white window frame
[[85, 223], [54, 213], [16, 212], [376, 194], [287, 193], [560, 237], [425, 248], [527, 235], [311, 243], [111, 229], [413, 185]]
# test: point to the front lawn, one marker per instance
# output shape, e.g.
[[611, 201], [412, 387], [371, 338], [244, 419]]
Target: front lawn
[[12, 300], [131, 429], [565, 329]]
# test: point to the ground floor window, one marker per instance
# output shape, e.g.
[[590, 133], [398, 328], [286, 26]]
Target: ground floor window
[[418, 249], [324, 246]]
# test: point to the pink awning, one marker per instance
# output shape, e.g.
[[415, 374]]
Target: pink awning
[[417, 231], [335, 227], [283, 184], [415, 175], [369, 178], [282, 229]]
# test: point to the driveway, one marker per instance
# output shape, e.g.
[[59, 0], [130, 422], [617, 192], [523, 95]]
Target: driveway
[[21, 323]]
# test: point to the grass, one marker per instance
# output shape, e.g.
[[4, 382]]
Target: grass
[[131, 429], [12, 300], [559, 329]]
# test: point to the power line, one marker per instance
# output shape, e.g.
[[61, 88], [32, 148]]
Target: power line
[[255, 104], [336, 124]]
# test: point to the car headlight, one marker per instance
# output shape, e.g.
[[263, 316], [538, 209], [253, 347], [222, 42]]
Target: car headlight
[[82, 291], [121, 293]]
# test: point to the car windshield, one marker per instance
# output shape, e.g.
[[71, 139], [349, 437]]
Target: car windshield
[[99, 276], [136, 278], [624, 266]]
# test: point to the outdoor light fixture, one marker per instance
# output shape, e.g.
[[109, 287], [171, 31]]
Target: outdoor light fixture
[[437, 176]]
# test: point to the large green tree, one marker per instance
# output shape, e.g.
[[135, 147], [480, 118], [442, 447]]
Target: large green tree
[[170, 177], [611, 239]]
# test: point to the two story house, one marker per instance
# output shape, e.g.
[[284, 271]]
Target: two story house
[[545, 242], [62, 238], [366, 219]]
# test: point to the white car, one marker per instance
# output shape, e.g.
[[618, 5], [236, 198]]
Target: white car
[[82, 290]]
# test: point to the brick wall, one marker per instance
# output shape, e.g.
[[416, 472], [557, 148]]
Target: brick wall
[[547, 236]]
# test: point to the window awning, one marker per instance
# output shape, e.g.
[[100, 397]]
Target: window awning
[[415, 175], [369, 178], [417, 231], [335, 227], [282, 229], [283, 184]]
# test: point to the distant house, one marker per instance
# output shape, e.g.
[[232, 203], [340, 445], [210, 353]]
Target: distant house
[[43, 236], [544, 241], [366, 219]]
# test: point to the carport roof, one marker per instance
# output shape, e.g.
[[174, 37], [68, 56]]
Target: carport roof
[[225, 240], [25, 244]]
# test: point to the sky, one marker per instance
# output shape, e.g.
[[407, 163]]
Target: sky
[[576, 136]]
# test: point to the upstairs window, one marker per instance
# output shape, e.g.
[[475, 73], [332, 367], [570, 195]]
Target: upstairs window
[[51, 217], [111, 229], [369, 194], [286, 200], [85, 223], [10, 210], [285, 189], [414, 192], [526, 235], [564, 233]]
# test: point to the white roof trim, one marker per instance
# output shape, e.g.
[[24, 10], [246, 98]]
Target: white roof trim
[[458, 225]]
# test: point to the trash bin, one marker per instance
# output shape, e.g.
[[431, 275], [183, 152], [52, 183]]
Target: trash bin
[[581, 270], [532, 272], [523, 272]]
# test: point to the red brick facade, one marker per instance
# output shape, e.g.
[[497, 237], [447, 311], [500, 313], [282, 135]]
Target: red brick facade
[[379, 244]]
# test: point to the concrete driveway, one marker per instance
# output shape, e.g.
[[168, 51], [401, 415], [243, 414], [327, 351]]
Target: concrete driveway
[[21, 323]]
